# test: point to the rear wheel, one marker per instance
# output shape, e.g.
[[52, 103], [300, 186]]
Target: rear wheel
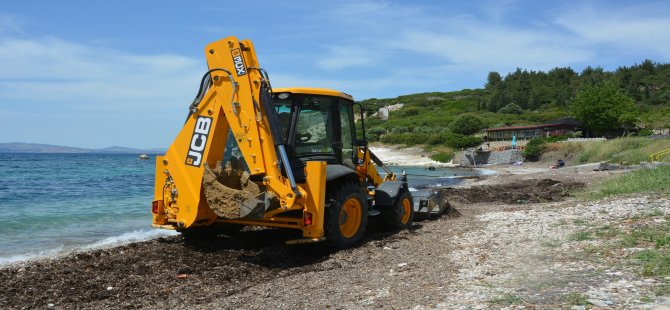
[[346, 216], [400, 215]]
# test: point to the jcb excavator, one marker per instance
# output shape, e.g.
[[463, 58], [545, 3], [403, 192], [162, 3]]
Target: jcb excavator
[[291, 157]]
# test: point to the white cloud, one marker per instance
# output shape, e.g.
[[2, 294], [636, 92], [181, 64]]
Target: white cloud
[[339, 57], [90, 95], [638, 27], [49, 69]]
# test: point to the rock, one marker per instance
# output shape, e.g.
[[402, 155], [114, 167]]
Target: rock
[[402, 265], [109, 288], [580, 307], [598, 302]]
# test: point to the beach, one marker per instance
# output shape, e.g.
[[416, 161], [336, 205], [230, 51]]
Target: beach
[[510, 243]]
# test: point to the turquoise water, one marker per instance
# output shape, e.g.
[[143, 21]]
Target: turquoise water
[[55, 203]]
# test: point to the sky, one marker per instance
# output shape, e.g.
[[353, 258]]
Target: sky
[[100, 73]]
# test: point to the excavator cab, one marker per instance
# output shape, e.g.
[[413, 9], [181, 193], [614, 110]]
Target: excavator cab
[[317, 125], [249, 154]]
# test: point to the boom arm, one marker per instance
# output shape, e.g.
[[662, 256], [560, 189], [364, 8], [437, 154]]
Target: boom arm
[[237, 100]]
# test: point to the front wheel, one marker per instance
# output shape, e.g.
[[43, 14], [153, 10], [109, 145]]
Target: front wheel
[[346, 217], [400, 215]]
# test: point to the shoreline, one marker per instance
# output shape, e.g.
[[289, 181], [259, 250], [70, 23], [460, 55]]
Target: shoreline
[[451, 256], [410, 157], [488, 174], [149, 234], [60, 252]]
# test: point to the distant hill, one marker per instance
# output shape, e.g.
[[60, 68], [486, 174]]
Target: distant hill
[[17, 147]]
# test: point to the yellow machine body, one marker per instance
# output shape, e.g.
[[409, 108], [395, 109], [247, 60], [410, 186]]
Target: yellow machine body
[[232, 103]]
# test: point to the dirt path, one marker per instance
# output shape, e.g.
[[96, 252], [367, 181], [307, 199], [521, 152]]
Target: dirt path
[[513, 246]]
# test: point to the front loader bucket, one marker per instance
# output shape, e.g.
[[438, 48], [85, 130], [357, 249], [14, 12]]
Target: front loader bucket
[[434, 206]]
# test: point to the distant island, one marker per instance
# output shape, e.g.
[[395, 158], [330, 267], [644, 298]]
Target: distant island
[[17, 147]]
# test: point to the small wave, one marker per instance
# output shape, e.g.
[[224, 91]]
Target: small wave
[[412, 189], [487, 172], [130, 237], [133, 236], [30, 256]]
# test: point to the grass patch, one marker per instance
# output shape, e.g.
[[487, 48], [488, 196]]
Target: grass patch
[[507, 299], [662, 290], [654, 262], [607, 232], [575, 299], [655, 180], [657, 235], [631, 150], [581, 235]]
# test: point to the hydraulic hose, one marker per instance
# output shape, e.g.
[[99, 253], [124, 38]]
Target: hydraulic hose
[[205, 83]]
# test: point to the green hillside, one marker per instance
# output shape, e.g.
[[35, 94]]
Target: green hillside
[[521, 98]]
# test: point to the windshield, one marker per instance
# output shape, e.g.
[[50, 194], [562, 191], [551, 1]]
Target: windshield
[[314, 132], [323, 125]]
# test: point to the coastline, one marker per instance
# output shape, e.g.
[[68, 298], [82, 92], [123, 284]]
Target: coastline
[[391, 156], [501, 242], [254, 269]]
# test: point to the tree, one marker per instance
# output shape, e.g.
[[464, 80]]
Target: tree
[[466, 124], [604, 108], [511, 109], [493, 80]]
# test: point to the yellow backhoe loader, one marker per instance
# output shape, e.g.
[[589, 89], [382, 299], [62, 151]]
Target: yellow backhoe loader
[[291, 157]]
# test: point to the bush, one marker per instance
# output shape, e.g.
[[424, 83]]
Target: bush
[[466, 124], [511, 109], [399, 130], [645, 133], [534, 149], [405, 138], [451, 140], [454, 141], [407, 111], [374, 133], [537, 146], [443, 157]]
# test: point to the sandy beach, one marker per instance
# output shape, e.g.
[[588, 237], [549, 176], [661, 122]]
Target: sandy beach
[[412, 156]]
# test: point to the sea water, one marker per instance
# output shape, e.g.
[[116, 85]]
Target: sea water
[[53, 203], [58, 203]]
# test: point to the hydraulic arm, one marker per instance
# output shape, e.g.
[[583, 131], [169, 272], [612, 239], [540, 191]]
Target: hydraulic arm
[[234, 95]]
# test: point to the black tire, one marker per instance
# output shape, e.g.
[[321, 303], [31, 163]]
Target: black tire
[[339, 231], [395, 216]]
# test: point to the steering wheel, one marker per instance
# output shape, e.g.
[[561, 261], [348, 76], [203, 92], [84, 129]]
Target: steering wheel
[[304, 137]]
